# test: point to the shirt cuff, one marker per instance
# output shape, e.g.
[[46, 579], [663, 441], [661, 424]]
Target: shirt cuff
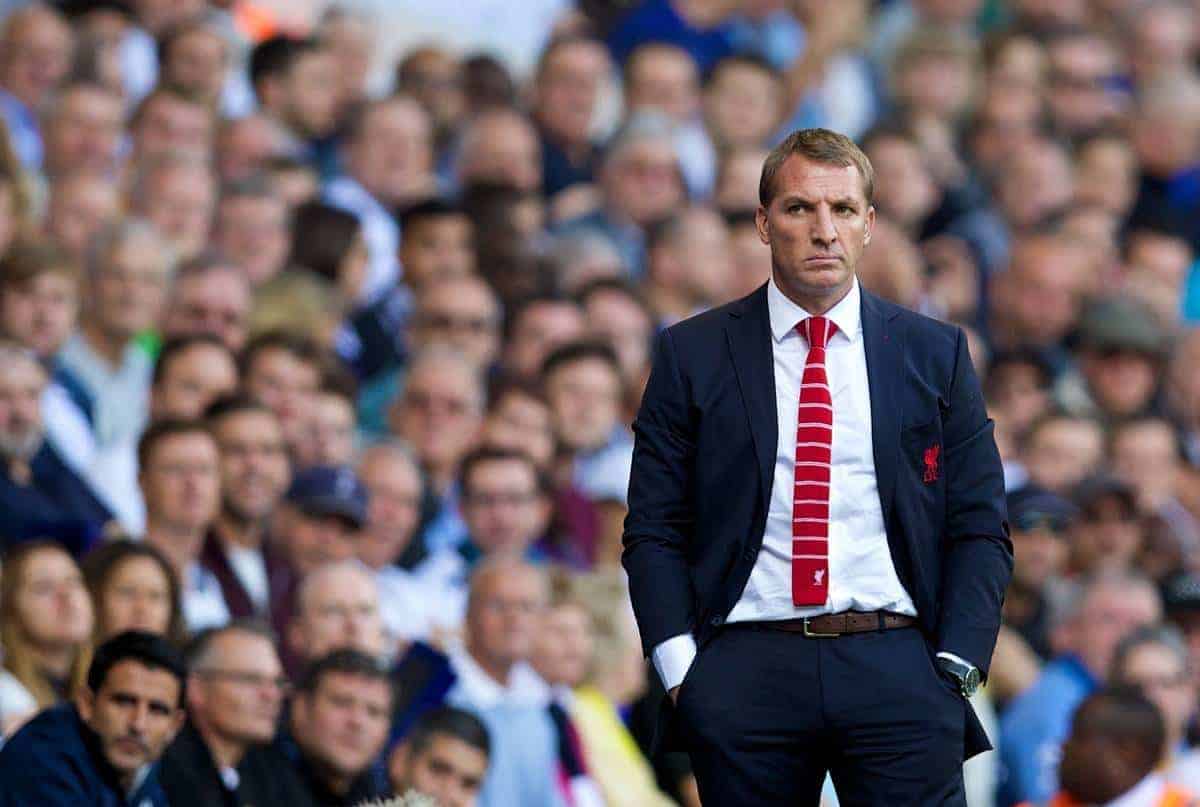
[[673, 658], [952, 657]]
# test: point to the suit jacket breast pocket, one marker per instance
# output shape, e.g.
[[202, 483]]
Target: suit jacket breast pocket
[[922, 463]]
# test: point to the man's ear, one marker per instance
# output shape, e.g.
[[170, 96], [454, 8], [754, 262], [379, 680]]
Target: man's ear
[[762, 224], [85, 702], [397, 765], [870, 224]]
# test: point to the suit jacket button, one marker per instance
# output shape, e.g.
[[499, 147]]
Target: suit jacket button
[[716, 621]]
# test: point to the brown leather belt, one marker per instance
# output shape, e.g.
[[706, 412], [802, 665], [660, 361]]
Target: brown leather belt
[[831, 625]]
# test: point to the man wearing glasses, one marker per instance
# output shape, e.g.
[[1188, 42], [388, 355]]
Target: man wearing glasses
[[223, 755]]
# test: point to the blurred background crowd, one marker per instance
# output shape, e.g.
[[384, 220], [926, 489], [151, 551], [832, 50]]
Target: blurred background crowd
[[324, 324]]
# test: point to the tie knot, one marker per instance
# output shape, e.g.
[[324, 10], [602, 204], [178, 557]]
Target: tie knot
[[818, 331]]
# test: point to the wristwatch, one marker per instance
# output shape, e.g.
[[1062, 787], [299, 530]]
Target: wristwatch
[[967, 675]]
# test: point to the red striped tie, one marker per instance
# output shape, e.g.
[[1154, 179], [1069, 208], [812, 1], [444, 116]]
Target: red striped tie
[[814, 438]]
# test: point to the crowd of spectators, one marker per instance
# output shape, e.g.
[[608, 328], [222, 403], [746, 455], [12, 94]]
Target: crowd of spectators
[[318, 360]]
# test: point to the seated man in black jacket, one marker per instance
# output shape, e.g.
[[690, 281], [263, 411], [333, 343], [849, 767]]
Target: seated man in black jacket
[[223, 756], [338, 724], [103, 750]]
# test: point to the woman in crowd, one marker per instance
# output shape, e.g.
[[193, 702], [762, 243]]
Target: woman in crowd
[[46, 625], [133, 587]]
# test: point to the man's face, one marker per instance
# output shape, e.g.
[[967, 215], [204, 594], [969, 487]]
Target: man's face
[[1105, 174], [35, 57], [329, 432], [181, 482], [216, 303], [751, 259], [562, 652], [664, 78], [504, 615], [344, 723], [394, 485], [518, 422], [79, 208], [437, 249], [568, 89], [254, 464], [314, 540], [1108, 536], [448, 770], [1039, 554], [585, 399], [434, 77], [180, 201], [338, 611], [907, 192], [503, 506], [1164, 677], [742, 106], [197, 63], [1080, 96], [247, 144], [193, 380], [393, 156], [818, 224], [1037, 182], [253, 232], [135, 715], [287, 385], [1146, 456], [706, 258], [439, 414], [462, 314], [41, 314], [504, 148], [542, 327], [311, 94], [1063, 452], [1109, 614], [85, 133], [130, 289], [1121, 381], [618, 319], [1042, 289], [21, 385], [237, 691], [642, 181], [173, 125]]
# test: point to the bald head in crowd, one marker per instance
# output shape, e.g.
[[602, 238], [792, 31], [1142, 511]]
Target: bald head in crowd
[[337, 607]]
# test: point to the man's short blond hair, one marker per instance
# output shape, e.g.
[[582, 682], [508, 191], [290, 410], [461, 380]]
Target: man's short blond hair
[[820, 146]]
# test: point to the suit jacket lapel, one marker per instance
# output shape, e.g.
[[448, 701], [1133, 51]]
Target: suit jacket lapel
[[749, 335], [883, 339]]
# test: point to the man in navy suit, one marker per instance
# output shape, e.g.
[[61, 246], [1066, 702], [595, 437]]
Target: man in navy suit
[[816, 541]]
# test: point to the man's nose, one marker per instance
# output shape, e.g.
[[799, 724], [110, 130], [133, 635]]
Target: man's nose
[[823, 231]]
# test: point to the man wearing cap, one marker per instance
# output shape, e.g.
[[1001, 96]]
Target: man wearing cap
[[1039, 521], [1108, 533], [1122, 353], [321, 516]]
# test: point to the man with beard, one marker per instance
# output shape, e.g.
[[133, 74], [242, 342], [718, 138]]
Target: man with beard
[[104, 748], [40, 496], [255, 581]]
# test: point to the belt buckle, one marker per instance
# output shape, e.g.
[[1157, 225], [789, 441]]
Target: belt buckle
[[811, 634]]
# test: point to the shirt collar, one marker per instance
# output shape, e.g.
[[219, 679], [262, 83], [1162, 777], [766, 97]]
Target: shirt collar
[[786, 315]]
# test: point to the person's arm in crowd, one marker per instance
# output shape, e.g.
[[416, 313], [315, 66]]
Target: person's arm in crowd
[[829, 31]]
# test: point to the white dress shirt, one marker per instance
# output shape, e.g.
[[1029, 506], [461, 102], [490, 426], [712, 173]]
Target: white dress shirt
[[862, 576]]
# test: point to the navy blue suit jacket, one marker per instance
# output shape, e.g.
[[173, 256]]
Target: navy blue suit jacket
[[703, 465]]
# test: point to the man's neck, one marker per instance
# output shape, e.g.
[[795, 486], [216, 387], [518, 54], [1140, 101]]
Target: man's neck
[[180, 545], [226, 753], [496, 669], [107, 345], [237, 533]]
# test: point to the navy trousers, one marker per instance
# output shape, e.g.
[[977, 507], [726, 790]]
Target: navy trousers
[[767, 713]]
